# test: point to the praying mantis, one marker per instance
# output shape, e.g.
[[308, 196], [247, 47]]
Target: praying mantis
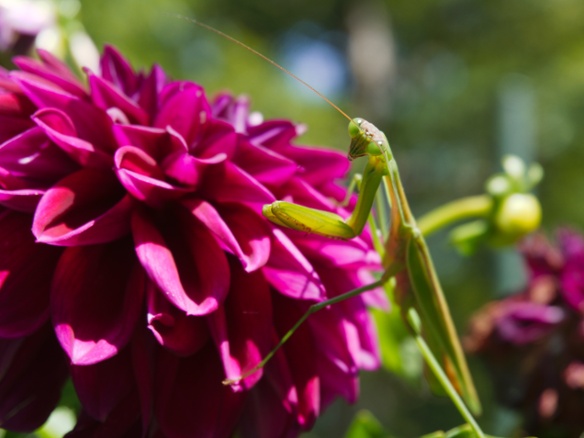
[[408, 270]]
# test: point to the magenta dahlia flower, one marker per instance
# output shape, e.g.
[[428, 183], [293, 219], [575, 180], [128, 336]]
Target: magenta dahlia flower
[[135, 260]]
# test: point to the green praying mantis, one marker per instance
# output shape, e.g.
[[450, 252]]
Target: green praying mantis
[[409, 273]]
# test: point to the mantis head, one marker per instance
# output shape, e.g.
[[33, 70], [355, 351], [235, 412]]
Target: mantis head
[[366, 139]]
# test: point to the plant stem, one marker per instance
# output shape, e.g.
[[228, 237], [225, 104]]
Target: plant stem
[[416, 325], [447, 214]]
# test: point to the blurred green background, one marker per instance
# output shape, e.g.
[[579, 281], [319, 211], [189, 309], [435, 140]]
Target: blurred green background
[[454, 84]]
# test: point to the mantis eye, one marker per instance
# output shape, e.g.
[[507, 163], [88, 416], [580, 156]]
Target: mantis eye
[[374, 148], [355, 128]]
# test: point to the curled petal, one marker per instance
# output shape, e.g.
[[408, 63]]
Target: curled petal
[[59, 128], [87, 207], [24, 200], [242, 328], [96, 300], [26, 269], [142, 178], [173, 329], [91, 123], [33, 157], [183, 259], [290, 273], [238, 229], [265, 165]]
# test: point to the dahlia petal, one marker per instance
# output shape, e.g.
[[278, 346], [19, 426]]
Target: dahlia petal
[[173, 329], [94, 314], [60, 129], [265, 416], [91, 123], [31, 155], [184, 107], [26, 270], [61, 77], [349, 254], [86, 207], [105, 96], [123, 422], [301, 353], [273, 134], [187, 169], [60, 68], [34, 370], [183, 259], [150, 91], [191, 401], [15, 104], [290, 273], [319, 166], [229, 183], [242, 328], [117, 70], [102, 386], [24, 200], [219, 139], [13, 125], [157, 143], [238, 229], [142, 178], [266, 166]]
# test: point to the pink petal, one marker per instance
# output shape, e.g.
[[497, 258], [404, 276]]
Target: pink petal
[[242, 328], [60, 129], [91, 123], [96, 300], [173, 329], [143, 179], [117, 70], [289, 272], [238, 229], [105, 96], [59, 75], [24, 200], [26, 270], [266, 166], [31, 155], [183, 259], [87, 207], [184, 107], [229, 183]]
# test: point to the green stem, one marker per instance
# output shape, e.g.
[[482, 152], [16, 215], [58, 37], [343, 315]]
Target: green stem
[[447, 214], [416, 325]]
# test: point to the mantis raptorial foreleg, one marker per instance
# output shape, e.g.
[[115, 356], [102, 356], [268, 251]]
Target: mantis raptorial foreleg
[[405, 252]]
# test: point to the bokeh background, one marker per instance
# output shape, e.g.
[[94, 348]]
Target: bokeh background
[[455, 84]]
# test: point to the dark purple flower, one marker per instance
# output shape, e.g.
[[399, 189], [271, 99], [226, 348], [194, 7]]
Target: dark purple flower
[[154, 265], [534, 340]]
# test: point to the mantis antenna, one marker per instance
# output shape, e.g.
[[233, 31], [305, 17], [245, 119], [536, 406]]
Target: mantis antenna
[[265, 58]]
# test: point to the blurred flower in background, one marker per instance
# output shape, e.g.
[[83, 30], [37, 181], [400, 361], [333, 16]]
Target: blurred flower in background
[[534, 340], [136, 260], [21, 21]]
